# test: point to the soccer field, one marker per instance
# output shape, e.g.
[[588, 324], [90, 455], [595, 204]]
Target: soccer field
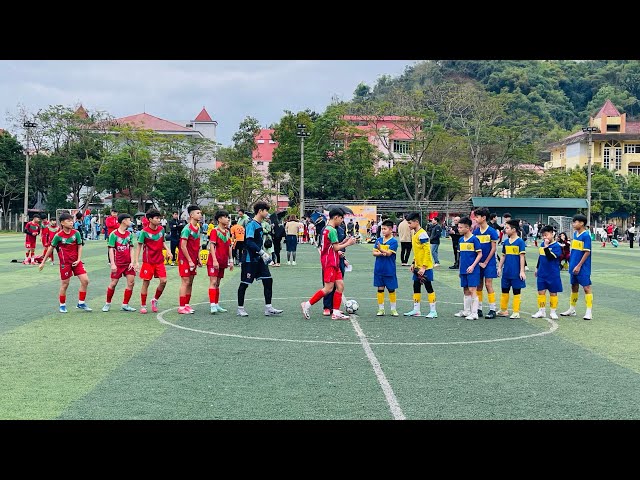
[[119, 365]]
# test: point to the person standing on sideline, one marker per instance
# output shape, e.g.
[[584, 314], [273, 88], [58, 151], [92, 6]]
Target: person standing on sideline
[[255, 263], [237, 234], [384, 270], [488, 239], [513, 274], [455, 239], [68, 243], [350, 227], [219, 258], [243, 218], [151, 242], [470, 256], [580, 267], [434, 240], [291, 239], [189, 257], [404, 235], [110, 224], [176, 225], [631, 231], [120, 243], [329, 260]]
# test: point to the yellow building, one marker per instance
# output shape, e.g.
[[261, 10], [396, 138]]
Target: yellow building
[[616, 144]]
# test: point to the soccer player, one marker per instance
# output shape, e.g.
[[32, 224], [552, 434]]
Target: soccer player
[[511, 268], [329, 259], [68, 243], [151, 242], [470, 256], [48, 233], [254, 265], [31, 230], [188, 257], [220, 257], [384, 270], [175, 228], [120, 243], [580, 267], [548, 273], [488, 238], [422, 267]]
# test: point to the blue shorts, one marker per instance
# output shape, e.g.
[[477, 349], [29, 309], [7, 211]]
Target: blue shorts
[[388, 281], [490, 271], [291, 242], [513, 283], [583, 280], [428, 275], [554, 285], [470, 279]]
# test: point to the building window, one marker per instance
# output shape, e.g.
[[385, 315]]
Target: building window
[[272, 141], [606, 157], [338, 144], [634, 169], [632, 148], [613, 128], [260, 141], [618, 158], [561, 154], [401, 147]]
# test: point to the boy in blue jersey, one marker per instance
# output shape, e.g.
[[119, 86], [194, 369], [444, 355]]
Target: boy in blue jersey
[[580, 267], [548, 273], [470, 255], [488, 237], [254, 265], [511, 268], [384, 270]]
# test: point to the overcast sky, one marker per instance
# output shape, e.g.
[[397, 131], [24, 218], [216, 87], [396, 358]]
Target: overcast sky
[[177, 90]]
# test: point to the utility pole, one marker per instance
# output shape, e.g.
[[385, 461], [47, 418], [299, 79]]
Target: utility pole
[[28, 125], [302, 134], [590, 131]]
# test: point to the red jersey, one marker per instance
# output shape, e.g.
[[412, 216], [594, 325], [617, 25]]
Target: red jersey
[[48, 233], [30, 228], [153, 244], [222, 241], [67, 245], [328, 256], [112, 224], [192, 234], [121, 243]]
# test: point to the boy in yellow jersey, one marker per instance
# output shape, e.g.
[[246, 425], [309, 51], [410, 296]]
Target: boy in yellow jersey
[[422, 267], [580, 267], [513, 276]]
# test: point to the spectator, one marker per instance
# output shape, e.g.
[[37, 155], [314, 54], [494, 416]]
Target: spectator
[[404, 235], [434, 240], [631, 231], [455, 238]]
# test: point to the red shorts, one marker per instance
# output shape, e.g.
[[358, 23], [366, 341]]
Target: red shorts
[[122, 271], [30, 242], [151, 270], [67, 271], [331, 274], [185, 271], [215, 272]]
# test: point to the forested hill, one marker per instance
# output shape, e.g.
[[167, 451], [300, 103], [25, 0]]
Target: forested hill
[[558, 95]]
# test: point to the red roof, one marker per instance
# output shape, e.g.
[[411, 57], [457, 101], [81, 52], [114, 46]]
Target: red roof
[[150, 122], [203, 116], [264, 150], [385, 118], [81, 112], [632, 127], [608, 110]]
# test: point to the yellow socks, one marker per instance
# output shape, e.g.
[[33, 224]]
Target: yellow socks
[[516, 303], [432, 297], [492, 300], [479, 293], [542, 301], [574, 299], [504, 301], [588, 298], [380, 299], [553, 301], [392, 300], [416, 301]]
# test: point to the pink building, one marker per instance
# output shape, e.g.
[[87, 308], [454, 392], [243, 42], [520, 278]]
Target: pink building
[[262, 157]]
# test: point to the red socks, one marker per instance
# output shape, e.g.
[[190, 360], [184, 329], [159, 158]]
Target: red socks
[[110, 293], [214, 295], [316, 297], [183, 300], [82, 296], [337, 300], [63, 299], [127, 296], [158, 293], [143, 299]]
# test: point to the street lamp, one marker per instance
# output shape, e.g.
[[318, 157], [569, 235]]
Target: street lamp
[[302, 134], [590, 131], [28, 125]]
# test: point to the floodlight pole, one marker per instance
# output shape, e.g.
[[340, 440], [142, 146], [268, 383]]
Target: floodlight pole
[[28, 125], [302, 134], [590, 131]]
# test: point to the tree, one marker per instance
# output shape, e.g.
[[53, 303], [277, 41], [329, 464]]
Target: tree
[[12, 166], [172, 187]]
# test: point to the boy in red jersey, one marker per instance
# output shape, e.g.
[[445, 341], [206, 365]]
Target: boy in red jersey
[[329, 258], [220, 257], [120, 243], [48, 233], [151, 238], [31, 230], [68, 242], [189, 257]]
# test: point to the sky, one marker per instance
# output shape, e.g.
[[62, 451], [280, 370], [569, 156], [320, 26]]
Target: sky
[[177, 90]]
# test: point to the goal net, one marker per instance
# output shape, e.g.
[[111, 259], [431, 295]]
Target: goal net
[[561, 224], [71, 211]]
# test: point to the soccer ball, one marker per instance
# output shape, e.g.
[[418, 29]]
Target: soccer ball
[[351, 306]]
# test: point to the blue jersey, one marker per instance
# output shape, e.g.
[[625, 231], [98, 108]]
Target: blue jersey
[[386, 265], [512, 252], [253, 241], [485, 238], [468, 251], [550, 269], [580, 244]]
